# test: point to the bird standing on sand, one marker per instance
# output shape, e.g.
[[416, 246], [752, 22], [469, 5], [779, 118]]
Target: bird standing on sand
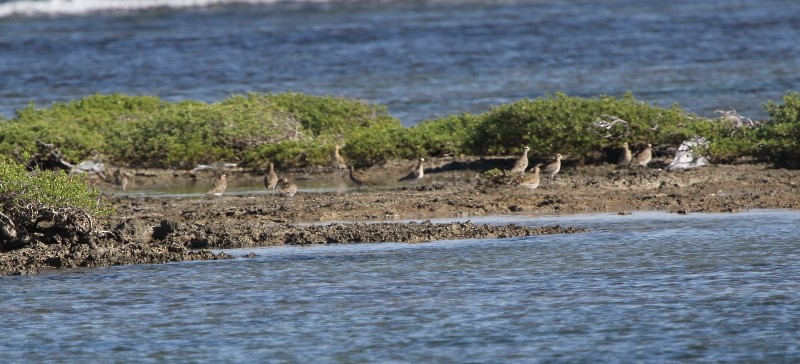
[[337, 159], [288, 189], [643, 158], [219, 186], [271, 179], [416, 174], [551, 169], [358, 177], [522, 162], [531, 180], [625, 158]]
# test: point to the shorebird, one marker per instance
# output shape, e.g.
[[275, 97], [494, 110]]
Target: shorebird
[[625, 158], [643, 157], [121, 178], [531, 180], [551, 169], [416, 174], [219, 186], [288, 189], [337, 159], [522, 162], [358, 177], [271, 179]]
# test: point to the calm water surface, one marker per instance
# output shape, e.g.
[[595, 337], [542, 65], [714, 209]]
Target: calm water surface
[[420, 58], [648, 287]]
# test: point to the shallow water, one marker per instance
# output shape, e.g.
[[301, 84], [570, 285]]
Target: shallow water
[[420, 58], [648, 287], [246, 186]]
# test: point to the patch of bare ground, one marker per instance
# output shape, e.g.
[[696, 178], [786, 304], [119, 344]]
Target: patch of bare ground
[[154, 229]]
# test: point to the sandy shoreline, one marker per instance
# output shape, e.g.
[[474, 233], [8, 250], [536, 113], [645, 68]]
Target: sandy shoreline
[[161, 229]]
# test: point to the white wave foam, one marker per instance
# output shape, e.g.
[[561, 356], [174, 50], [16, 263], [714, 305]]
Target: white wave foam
[[81, 7], [35, 8]]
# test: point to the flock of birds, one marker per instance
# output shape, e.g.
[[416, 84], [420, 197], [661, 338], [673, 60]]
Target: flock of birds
[[531, 181]]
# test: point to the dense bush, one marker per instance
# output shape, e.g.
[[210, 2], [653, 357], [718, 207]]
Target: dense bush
[[291, 129], [295, 130], [32, 202], [329, 115], [450, 135], [50, 189], [780, 136], [444, 136], [78, 127], [579, 127], [368, 146]]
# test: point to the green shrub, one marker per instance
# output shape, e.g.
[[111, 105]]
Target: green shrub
[[144, 131], [77, 127], [45, 206], [780, 136], [368, 146], [290, 153], [296, 130], [328, 114], [449, 135], [570, 126], [19, 187]]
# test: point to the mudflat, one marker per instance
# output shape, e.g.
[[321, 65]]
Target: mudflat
[[147, 229], [454, 188]]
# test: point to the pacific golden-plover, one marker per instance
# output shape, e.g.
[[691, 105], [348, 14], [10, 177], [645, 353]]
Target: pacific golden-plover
[[551, 169], [626, 156], [337, 160], [359, 178], [644, 157], [416, 174], [521, 164], [287, 189], [121, 179], [219, 186], [271, 179], [531, 180]]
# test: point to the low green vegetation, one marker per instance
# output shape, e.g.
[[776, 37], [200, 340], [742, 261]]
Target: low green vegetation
[[46, 189], [297, 130], [144, 131], [779, 138], [32, 202]]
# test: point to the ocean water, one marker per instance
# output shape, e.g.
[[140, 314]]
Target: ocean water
[[422, 59], [648, 287]]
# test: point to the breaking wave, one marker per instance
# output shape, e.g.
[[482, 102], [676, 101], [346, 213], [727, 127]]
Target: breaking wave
[[36, 8]]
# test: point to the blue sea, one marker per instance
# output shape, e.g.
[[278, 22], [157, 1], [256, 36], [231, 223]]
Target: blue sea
[[644, 288], [422, 59]]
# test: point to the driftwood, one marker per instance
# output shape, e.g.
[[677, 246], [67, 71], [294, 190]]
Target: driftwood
[[50, 158]]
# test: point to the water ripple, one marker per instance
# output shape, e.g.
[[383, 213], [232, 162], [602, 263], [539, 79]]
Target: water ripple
[[647, 287]]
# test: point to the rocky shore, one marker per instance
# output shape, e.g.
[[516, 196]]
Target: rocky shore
[[162, 229]]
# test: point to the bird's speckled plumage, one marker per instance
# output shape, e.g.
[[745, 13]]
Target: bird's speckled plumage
[[626, 156], [288, 189], [522, 162], [531, 180], [644, 157], [417, 173], [271, 179], [337, 159], [359, 178], [551, 169], [219, 186]]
